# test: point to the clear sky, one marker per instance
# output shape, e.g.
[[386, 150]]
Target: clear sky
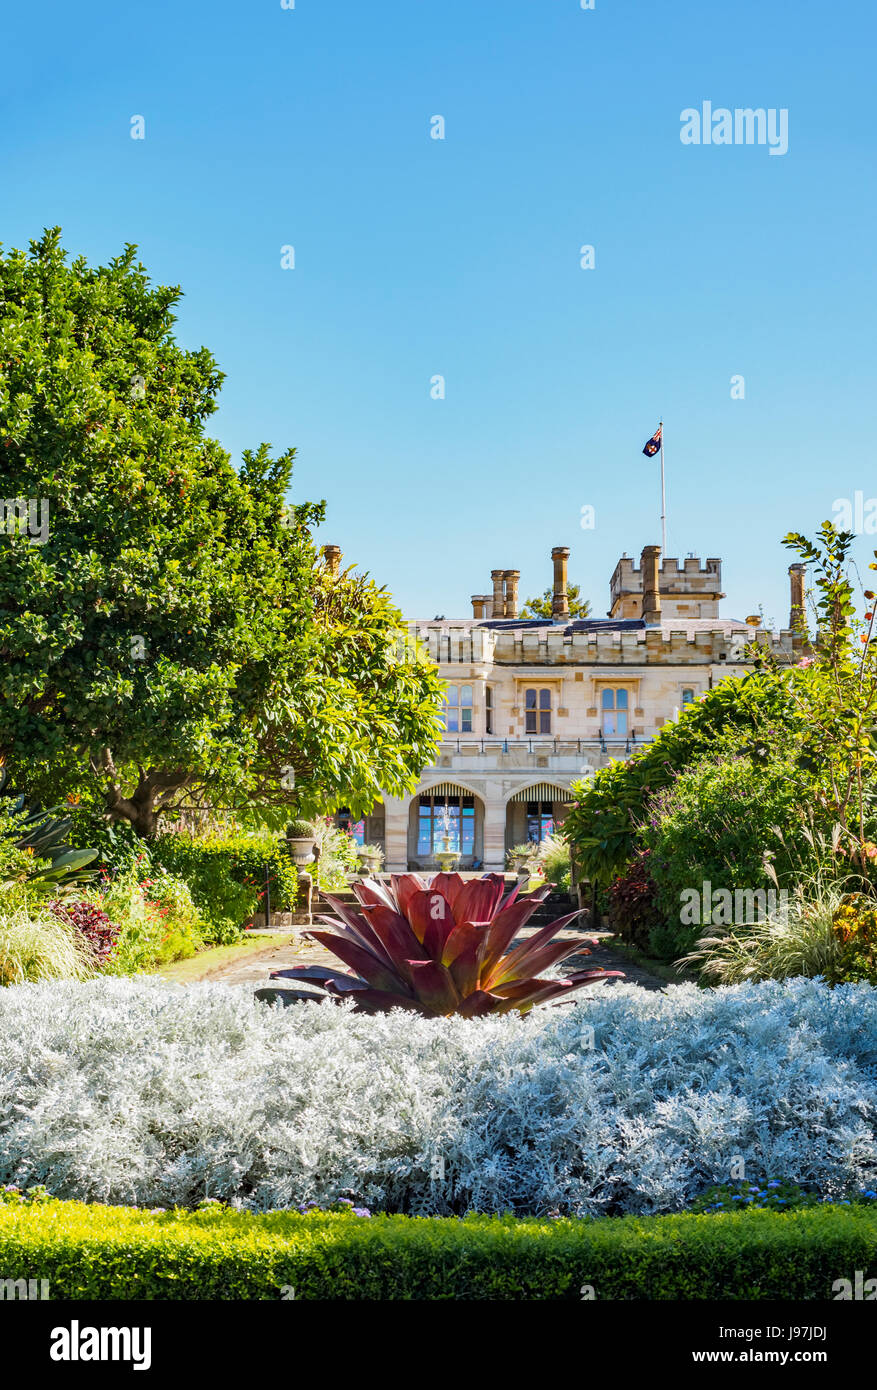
[[310, 127]]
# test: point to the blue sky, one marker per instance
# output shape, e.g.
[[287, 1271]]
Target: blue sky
[[414, 257]]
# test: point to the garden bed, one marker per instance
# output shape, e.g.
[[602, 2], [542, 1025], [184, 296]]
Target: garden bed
[[631, 1102]]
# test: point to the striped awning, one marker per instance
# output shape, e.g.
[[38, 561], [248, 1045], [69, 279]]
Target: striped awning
[[445, 789], [543, 791]]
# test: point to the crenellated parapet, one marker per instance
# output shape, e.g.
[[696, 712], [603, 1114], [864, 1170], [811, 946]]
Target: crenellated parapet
[[470, 645], [689, 587]]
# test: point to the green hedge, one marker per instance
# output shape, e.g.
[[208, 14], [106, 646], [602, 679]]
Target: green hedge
[[97, 1252], [226, 876]]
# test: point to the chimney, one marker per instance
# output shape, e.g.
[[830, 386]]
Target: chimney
[[480, 605], [511, 592], [796, 588], [498, 577], [332, 557], [560, 600], [651, 611]]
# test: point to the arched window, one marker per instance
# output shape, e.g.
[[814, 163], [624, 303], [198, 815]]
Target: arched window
[[537, 711], [615, 709]]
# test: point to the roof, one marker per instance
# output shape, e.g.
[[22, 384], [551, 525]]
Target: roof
[[687, 625]]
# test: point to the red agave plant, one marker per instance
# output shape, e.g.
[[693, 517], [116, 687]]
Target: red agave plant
[[441, 946]]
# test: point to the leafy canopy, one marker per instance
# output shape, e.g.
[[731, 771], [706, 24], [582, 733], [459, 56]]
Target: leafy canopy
[[176, 637]]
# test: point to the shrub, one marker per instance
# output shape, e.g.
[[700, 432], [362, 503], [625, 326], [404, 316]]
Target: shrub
[[632, 909], [119, 847], [93, 926], [34, 945], [300, 830], [157, 919], [716, 825], [114, 1253], [371, 851], [28, 827], [226, 876], [16, 866], [554, 861], [742, 716], [855, 928], [339, 854], [132, 1090], [806, 939]]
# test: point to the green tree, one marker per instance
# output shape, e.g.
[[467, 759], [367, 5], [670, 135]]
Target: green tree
[[168, 629], [820, 716], [541, 607], [756, 716], [840, 745]]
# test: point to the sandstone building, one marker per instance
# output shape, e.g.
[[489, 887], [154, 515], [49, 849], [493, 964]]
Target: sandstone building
[[533, 705]]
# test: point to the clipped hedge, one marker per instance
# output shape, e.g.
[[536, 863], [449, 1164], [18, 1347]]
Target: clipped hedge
[[226, 876], [97, 1252]]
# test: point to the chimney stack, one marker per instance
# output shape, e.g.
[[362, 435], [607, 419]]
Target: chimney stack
[[796, 587], [498, 577], [651, 610], [560, 598], [511, 578], [332, 557], [481, 605]]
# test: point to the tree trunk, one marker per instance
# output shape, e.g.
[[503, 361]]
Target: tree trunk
[[143, 807], [594, 922]]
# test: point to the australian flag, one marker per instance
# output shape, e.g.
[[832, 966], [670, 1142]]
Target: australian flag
[[654, 444]]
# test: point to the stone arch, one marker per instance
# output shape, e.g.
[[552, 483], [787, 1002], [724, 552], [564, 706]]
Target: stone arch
[[542, 792], [423, 825]]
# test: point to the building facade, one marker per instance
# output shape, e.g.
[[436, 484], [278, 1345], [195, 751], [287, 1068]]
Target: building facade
[[534, 705]]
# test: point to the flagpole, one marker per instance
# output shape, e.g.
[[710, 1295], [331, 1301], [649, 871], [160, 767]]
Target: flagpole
[[663, 499]]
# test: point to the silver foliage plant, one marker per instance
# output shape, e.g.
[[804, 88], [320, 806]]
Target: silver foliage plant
[[134, 1091]]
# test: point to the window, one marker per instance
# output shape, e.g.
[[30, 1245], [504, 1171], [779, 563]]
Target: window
[[537, 711], [614, 703], [458, 709], [687, 698], [488, 709], [445, 818], [540, 821], [355, 828]]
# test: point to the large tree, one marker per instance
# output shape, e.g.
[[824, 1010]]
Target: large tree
[[169, 631]]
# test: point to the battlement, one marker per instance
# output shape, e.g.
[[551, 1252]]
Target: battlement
[[468, 645], [688, 589]]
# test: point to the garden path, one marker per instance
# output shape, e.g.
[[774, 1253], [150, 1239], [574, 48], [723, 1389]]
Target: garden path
[[256, 968]]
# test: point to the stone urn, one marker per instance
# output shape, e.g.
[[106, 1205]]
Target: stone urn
[[301, 848], [370, 861]]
